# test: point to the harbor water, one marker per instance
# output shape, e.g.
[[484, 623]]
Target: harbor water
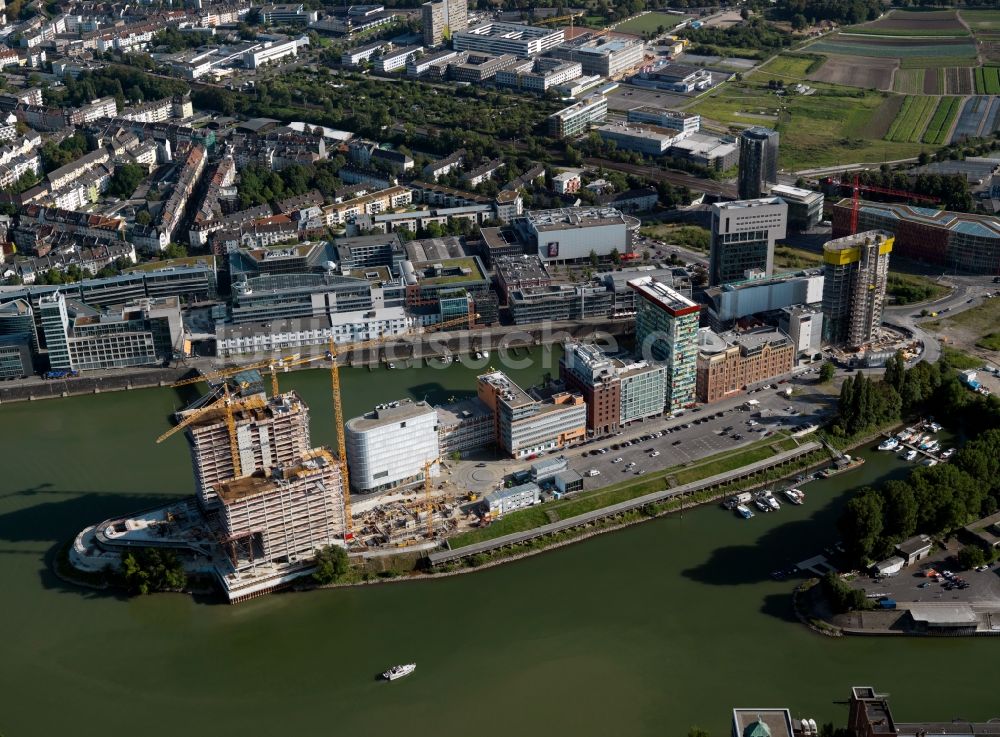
[[646, 631]]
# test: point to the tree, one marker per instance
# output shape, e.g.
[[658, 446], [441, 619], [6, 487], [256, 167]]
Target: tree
[[175, 250], [861, 525], [826, 372], [143, 217], [594, 261], [616, 257], [146, 570], [971, 556], [125, 179], [895, 371], [331, 564]]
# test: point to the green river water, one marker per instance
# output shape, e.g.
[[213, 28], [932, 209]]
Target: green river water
[[642, 632]]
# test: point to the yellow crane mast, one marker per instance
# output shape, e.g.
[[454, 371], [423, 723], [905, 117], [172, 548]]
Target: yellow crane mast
[[272, 365], [338, 408], [226, 402]]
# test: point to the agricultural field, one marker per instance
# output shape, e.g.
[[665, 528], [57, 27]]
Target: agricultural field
[[834, 125], [650, 23], [982, 20], [933, 80], [909, 81], [866, 73], [958, 80], [896, 48], [980, 116], [792, 66], [940, 125], [911, 23], [910, 122], [988, 81]]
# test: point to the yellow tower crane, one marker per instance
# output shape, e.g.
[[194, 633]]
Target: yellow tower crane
[[226, 402], [271, 364], [428, 488], [338, 409]]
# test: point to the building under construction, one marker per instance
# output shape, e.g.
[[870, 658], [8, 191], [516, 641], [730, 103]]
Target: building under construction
[[268, 432], [855, 271]]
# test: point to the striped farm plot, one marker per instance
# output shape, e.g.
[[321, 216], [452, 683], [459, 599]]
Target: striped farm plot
[[909, 81], [941, 122], [912, 119], [988, 81], [979, 118]]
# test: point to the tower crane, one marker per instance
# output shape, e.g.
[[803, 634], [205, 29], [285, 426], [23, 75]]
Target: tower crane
[[338, 409], [856, 187], [226, 402], [271, 364], [427, 497]]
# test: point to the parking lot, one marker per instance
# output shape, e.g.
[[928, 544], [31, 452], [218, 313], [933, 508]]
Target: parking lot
[[912, 584], [693, 436]]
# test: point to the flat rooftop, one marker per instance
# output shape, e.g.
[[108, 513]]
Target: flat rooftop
[[510, 393], [663, 295], [855, 240], [510, 31], [464, 411], [448, 271], [389, 414], [570, 218], [747, 204], [516, 268], [786, 191]]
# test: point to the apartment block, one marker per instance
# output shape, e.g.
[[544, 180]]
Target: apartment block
[[666, 331], [576, 119], [855, 271], [442, 18], [525, 425], [507, 38]]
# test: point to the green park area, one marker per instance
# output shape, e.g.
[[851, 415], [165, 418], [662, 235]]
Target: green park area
[[588, 501], [689, 236]]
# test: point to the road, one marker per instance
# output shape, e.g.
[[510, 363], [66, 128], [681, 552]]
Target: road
[[966, 292], [686, 442]]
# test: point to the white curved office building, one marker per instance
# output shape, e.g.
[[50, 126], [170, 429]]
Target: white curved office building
[[389, 446]]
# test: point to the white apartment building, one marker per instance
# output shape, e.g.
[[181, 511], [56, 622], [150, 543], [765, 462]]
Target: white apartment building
[[391, 445], [508, 38], [273, 51]]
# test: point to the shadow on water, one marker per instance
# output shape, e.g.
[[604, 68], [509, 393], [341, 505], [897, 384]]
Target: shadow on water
[[779, 606], [435, 393]]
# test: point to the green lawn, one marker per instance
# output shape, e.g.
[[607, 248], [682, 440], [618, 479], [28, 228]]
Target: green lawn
[[787, 257], [791, 66], [691, 236], [960, 360], [587, 501], [990, 342], [651, 23]]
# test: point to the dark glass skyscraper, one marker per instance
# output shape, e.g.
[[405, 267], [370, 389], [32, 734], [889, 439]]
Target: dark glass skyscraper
[[758, 162]]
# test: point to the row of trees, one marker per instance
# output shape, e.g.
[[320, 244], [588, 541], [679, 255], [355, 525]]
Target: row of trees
[[838, 11], [930, 500]]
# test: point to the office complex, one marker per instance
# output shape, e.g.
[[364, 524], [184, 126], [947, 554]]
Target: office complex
[[743, 236], [507, 38], [726, 304], [686, 123], [666, 330], [855, 269], [572, 233], [731, 362], [16, 356], [617, 389], [442, 18], [602, 57], [525, 425], [805, 207], [80, 338], [576, 119], [758, 162], [465, 426], [389, 446], [955, 240], [804, 325]]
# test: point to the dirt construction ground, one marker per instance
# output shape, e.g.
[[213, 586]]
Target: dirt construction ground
[[865, 72]]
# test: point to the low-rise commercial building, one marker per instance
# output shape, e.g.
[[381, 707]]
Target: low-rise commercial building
[[726, 304], [519, 272], [391, 445], [645, 139], [675, 78], [502, 501], [539, 75], [605, 57], [573, 233], [396, 59], [686, 123], [804, 325], [526, 426], [729, 363], [711, 152]]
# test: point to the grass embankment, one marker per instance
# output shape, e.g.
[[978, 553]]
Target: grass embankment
[[588, 501], [958, 359], [787, 257]]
